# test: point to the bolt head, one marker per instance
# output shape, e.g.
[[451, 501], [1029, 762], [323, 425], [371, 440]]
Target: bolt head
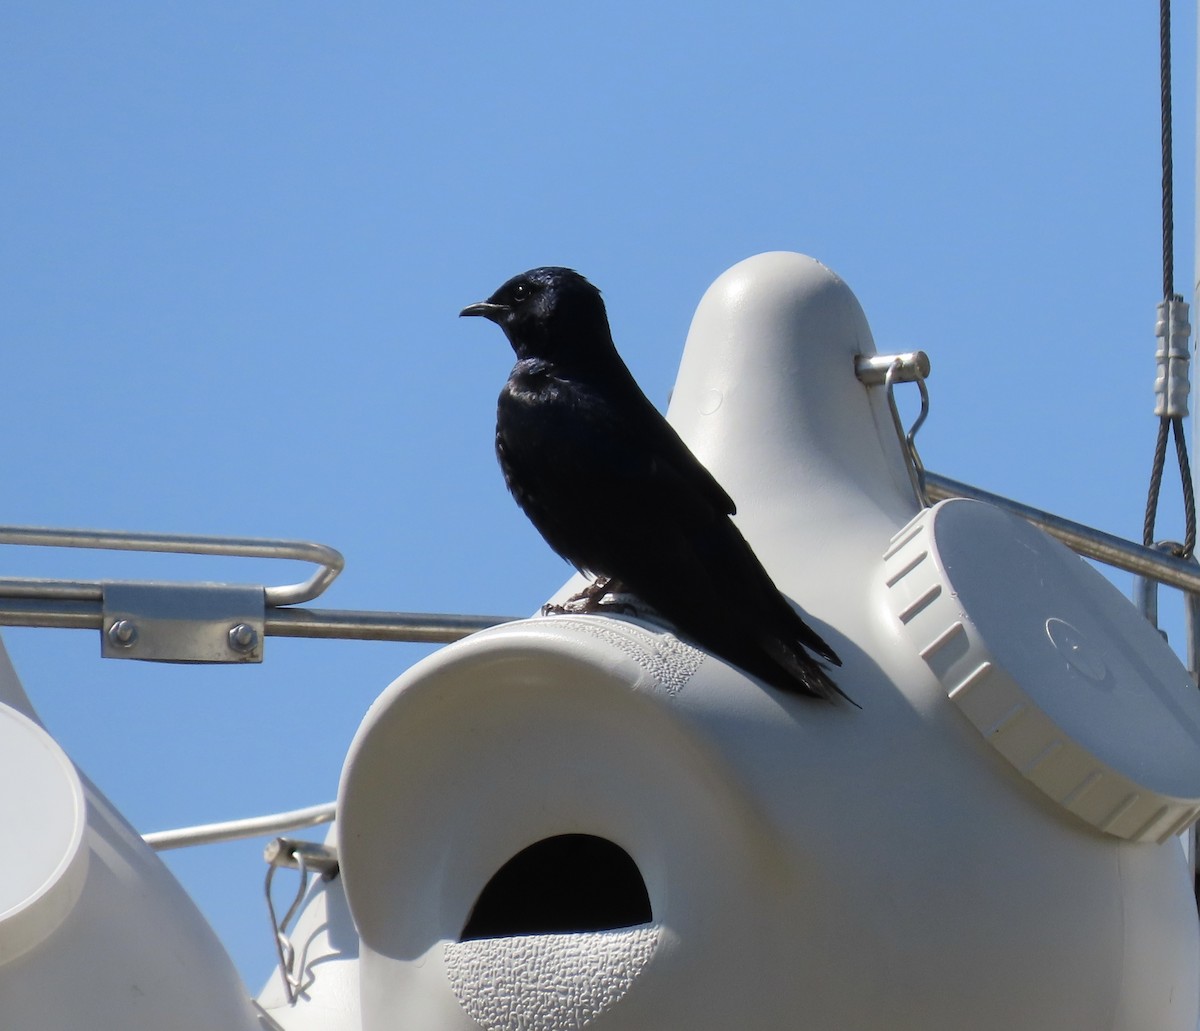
[[243, 638], [122, 634]]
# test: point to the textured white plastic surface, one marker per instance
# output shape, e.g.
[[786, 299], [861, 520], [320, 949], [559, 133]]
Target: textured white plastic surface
[[807, 864], [1072, 686], [546, 982], [42, 813]]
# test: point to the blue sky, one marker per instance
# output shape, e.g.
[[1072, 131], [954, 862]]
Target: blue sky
[[236, 237]]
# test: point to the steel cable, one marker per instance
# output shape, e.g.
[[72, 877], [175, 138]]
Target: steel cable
[[1168, 423], [1168, 169]]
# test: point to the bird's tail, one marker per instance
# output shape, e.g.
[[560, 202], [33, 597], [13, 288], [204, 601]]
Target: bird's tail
[[796, 671]]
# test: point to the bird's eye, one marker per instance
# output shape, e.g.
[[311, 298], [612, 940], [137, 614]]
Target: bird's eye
[[520, 291]]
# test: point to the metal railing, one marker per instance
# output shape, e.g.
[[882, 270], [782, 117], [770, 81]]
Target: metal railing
[[328, 560], [204, 622], [80, 604], [52, 611]]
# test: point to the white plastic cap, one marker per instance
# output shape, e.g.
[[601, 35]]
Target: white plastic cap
[[1056, 670], [43, 815]]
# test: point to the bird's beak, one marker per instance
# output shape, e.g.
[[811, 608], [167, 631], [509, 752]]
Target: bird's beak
[[494, 312]]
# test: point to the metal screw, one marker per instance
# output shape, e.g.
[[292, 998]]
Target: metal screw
[[122, 634], [243, 638]]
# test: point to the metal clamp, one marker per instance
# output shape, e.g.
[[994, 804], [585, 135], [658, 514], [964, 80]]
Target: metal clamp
[[1171, 386], [168, 622], [163, 621], [888, 370], [307, 857]]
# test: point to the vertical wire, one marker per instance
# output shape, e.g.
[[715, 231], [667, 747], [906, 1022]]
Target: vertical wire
[[1169, 423]]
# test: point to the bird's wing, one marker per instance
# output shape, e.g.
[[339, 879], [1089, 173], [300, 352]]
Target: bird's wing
[[651, 437], [678, 483]]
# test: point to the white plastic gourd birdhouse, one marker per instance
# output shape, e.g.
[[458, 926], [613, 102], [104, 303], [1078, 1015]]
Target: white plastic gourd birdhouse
[[94, 931], [583, 821]]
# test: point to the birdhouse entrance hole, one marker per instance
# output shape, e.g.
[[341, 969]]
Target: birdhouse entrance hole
[[571, 882]]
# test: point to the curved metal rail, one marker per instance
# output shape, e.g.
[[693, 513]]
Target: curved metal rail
[[328, 560], [80, 604]]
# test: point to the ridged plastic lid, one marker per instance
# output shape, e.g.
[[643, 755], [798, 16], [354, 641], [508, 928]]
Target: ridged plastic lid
[[1052, 665], [42, 811]]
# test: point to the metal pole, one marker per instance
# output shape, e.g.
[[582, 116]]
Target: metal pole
[[426, 627], [235, 830], [417, 627]]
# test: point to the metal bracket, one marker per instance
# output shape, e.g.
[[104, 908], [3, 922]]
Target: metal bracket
[[169, 622], [155, 620]]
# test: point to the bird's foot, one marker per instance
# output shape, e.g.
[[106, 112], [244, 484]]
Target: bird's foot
[[604, 594], [593, 594], [585, 601]]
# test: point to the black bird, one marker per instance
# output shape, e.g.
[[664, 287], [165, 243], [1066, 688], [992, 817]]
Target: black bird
[[612, 488]]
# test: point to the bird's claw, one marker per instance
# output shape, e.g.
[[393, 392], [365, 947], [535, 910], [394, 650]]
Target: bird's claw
[[594, 593], [598, 596]]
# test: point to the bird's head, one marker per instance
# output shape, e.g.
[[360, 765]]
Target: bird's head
[[550, 313]]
